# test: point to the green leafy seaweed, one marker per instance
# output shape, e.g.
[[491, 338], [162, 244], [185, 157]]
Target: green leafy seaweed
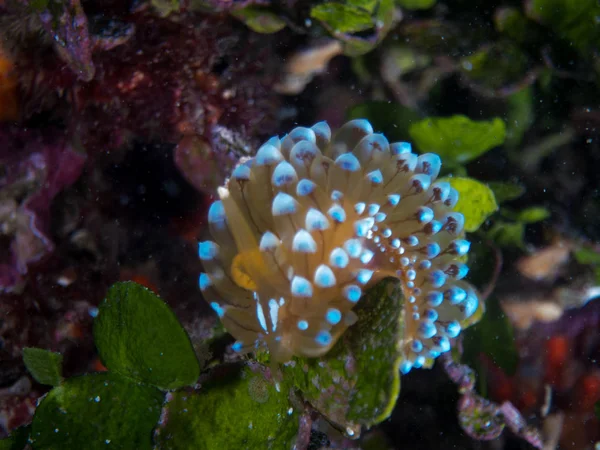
[[506, 191], [138, 336], [476, 201], [45, 366], [457, 139], [97, 411], [357, 383], [236, 409], [359, 24], [574, 21], [259, 19], [416, 4]]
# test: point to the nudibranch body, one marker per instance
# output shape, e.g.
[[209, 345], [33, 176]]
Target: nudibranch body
[[303, 228]]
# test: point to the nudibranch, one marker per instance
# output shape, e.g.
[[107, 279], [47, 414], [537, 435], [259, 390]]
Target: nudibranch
[[302, 229]]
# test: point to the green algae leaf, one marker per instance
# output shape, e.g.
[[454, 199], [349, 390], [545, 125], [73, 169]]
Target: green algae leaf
[[138, 336], [97, 411], [359, 24], [342, 18], [238, 408], [415, 4], [45, 366], [512, 22], [493, 336], [587, 256], [496, 66], [533, 214], [17, 440], [259, 19], [574, 21], [508, 234], [357, 383], [476, 201], [506, 191], [519, 117], [457, 139]]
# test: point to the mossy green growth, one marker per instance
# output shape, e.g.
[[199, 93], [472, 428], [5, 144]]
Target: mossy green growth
[[476, 201], [457, 139], [373, 19], [138, 336], [259, 19], [505, 191], [45, 366], [237, 408], [574, 21], [357, 383], [416, 4], [97, 411]]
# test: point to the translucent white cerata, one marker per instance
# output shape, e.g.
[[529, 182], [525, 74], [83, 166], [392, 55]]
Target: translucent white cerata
[[303, 228]]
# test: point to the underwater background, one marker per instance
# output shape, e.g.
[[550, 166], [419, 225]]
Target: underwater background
[[134, 133]]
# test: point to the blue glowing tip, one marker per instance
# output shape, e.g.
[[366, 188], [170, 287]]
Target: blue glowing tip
[[460, 247], [316, 220], [393, 199], [218, 309], [267, 154], [301, 287], [324, 277], [360, 208], [302, 325], [333, 316], [268, 241], [400, 147], [427, 330], [303, 242], [373, 209], [435, 299], [204, 281], [241, 172], [432, 250], [375, 177], [305, 187], [364, 275], [337, 213], [416, 346], [207, 250], [366, 256], [336, 196], [339, 258], [437, 278], [363, 226], [405, 367], [353, 293], [424, 214], [216, 213], [353, 247], [349, 162], [453, 329], [237, 346], [283, 174], [283, 204], [455, 295], [323, 338]]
